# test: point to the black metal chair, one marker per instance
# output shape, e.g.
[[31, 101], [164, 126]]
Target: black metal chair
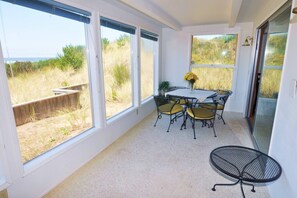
[[167, 106], [198, 113], [221, 98]]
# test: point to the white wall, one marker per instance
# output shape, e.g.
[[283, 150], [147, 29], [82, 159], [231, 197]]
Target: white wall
[[47, 171], [284, 136], [176, 53]]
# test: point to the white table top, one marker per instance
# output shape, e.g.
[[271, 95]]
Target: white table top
[[201, 95]]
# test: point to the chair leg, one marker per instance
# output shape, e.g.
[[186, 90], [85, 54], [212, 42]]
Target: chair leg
[[214, 131], [253, 187], [159, 116], [233, 184], [193, 126], [184, 122], [170, 122], [220, 117]]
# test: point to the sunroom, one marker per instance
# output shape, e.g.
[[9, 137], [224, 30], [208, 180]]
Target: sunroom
[[77, 81]]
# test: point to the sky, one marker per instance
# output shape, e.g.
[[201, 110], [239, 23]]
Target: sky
[[28, 33]]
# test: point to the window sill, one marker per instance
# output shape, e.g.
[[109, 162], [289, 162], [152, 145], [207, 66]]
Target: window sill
[[120, 115], [147, 100]]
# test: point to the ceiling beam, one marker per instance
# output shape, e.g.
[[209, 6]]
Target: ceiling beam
[[235, 7], [154, 12]]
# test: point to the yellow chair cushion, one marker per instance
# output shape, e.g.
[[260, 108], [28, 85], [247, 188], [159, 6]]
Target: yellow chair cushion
[[200, 113], [212, 106], [166, 108], [181, 101]]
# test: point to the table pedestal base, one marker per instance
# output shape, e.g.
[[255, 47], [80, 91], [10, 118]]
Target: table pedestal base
[[232, 184]]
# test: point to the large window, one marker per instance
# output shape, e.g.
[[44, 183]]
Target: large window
[[149, 44], [213, 60], [117, 39], [47, 73]]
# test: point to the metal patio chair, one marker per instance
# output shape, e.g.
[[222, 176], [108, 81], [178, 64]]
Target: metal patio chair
[[198, 113], [221, 98], [169, 107]]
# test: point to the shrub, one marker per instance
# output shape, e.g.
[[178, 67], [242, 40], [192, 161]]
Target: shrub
[[8, 70], [26, 67], [114, 94], [73, 57], [120, 74], [52, 62], [105, 43], [18, 68], [122, 40]]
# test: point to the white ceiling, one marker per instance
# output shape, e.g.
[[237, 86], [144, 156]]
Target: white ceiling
[[187, 12], [179, 13]]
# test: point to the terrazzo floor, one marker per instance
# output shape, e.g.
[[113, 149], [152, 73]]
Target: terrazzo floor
[[149, 162]]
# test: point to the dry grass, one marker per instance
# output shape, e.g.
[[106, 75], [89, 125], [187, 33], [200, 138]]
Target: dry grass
[[39, 84], [40, 136], [147, 74], [119, 98], [270, 83], [213, 78], [221, 78], [217, 78]]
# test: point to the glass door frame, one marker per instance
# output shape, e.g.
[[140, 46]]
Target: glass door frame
[[254, 89], [256, 74]]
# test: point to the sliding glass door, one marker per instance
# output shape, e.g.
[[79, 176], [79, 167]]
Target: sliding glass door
[[271, 64]]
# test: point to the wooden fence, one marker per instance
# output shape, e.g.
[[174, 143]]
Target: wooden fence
[[65, 98]]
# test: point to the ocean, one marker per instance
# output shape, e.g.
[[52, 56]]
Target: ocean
[[25, 59]]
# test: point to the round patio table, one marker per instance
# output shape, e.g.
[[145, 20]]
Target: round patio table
[[245, 165]]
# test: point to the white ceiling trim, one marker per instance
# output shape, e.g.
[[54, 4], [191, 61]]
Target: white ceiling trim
[[235, 8], [154, 12]]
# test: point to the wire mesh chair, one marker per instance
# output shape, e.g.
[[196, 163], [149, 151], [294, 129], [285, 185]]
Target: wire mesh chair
[[166, 106], [221, 98], [198, 113]]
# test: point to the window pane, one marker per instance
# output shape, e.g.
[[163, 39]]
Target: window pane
[[47, 75], [275, 52], [273, 64], [213, 78], [117, 70], [147, 67], [214, 49]]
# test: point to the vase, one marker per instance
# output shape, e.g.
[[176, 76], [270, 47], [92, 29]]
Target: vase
[[191, 87]]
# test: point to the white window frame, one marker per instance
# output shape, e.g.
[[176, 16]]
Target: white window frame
[[12, 168], [234, 67], [10, 154], [155, 66], [134, 40], [95, 99]]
